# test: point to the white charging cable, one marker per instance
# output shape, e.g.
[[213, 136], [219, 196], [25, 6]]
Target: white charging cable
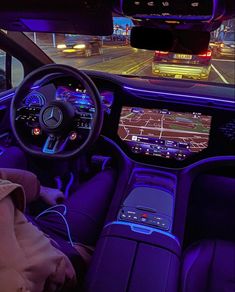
[[62, 215]]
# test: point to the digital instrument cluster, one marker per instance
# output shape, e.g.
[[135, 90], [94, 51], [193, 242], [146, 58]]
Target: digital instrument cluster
[[82, 100], [35, 98], [164, 133]]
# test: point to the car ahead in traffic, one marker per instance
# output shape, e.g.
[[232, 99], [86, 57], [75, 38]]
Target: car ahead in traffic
[[81, 45], [182, 65], [225, 46]]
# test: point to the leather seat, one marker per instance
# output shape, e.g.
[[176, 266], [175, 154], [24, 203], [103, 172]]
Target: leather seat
[[209, 266]]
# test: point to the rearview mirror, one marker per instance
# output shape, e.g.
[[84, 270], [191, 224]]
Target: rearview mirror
[[178, 41]]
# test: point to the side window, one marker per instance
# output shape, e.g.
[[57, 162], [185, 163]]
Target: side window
[[2, 71], [17, 72], [11, 71]]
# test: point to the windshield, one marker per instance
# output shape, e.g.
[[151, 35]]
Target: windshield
[[114, 54]]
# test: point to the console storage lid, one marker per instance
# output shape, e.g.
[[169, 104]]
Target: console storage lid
[[133, 258]]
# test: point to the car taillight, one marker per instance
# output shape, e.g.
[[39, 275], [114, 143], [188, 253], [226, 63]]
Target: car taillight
[[206, 55], [161, 53]]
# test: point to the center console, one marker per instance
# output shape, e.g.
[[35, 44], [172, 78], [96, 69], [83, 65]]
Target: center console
[[137, 251], [150, 199]]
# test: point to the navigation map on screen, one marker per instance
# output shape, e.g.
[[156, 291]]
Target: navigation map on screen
[[161, 132]]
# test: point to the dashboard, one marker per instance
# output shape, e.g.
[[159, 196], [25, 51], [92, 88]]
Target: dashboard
[[166, 128], [169, 123]]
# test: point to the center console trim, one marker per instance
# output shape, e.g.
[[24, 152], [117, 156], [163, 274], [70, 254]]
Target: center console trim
[[144, 229]]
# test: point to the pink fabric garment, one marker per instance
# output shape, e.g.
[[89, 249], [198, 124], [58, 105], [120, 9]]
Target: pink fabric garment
[[28, 261]]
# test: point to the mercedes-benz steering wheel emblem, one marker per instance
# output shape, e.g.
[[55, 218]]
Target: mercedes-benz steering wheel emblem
[[52, 117]]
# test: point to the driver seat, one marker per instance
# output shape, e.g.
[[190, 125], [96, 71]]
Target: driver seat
[[209, 266]]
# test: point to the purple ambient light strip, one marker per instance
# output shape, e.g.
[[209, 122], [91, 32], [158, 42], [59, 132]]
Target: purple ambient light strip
[[143, 229], [178, 94]]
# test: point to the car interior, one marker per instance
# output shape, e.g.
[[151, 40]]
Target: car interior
[[170, 143]]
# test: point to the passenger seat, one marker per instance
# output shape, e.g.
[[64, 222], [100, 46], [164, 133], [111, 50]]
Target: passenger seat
[[209, 266]]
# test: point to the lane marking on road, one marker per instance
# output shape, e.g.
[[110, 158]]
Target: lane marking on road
[[219, 74], [223, 60], [145, 67], [104, 63], [136, 67]]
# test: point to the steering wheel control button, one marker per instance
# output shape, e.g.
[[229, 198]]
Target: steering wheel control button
[[73, 136], [27, 114], [52, 117], [36, 131], [84, 120]]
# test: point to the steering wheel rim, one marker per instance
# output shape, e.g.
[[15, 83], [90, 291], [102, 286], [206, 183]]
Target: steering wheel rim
[[51, 72]]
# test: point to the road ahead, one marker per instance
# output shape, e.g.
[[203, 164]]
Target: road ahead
[[126, 60], [120, 59]]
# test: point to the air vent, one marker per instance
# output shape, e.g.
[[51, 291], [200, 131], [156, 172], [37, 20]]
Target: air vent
[[228, 130]]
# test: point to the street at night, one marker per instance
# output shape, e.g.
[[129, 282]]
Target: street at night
[[119, 58], [130, 61]]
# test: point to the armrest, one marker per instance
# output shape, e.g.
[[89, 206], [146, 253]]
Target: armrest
[[128, 260]]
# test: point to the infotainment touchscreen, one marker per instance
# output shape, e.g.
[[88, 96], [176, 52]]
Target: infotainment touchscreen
[[164, 133]]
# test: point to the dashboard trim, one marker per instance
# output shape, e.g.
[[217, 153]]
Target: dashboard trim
[[130, 89], [144, 229], [168, 168]]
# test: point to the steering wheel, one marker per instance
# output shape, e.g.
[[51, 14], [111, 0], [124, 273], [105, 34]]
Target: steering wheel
[[54, 130]]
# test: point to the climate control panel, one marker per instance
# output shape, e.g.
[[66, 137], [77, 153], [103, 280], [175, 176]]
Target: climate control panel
[[143, 217]]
